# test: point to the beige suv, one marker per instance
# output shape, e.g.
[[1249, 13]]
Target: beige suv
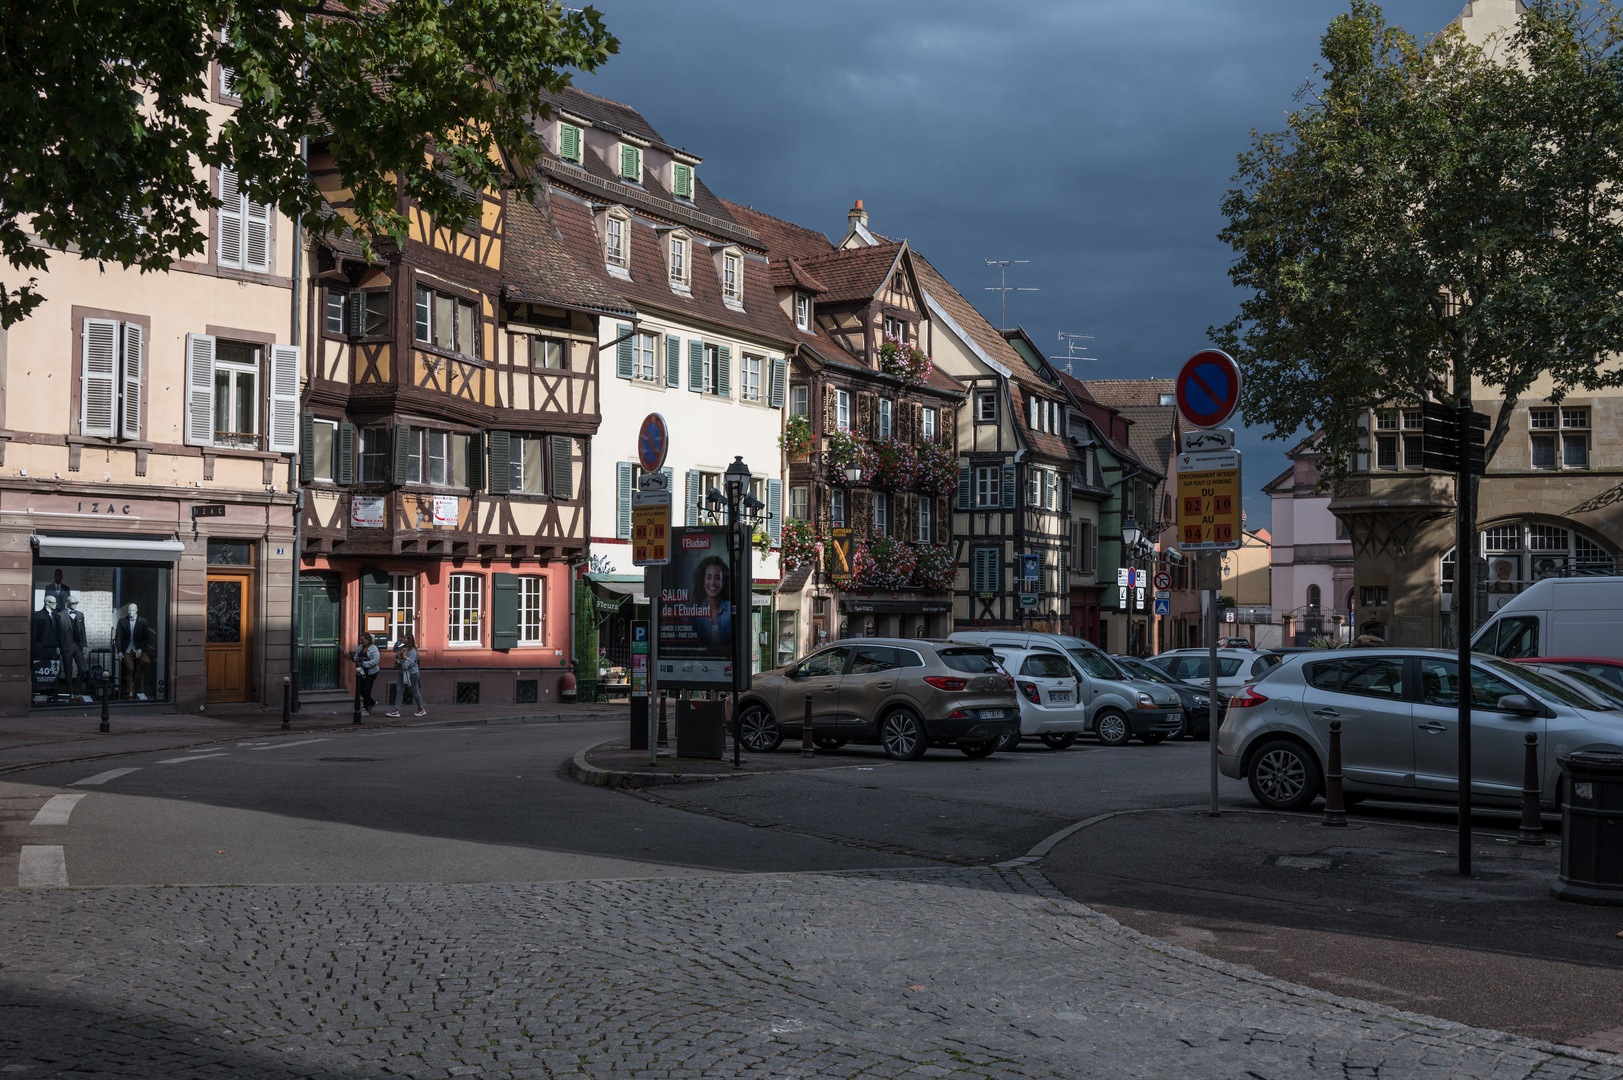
[[905, 694]]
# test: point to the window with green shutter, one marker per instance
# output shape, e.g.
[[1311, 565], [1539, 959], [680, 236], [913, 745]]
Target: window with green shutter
[[630, 163], [684, 181], [622, 521], [625, 358], [673, 360], [569, 142], [504, 590], [563, 467]]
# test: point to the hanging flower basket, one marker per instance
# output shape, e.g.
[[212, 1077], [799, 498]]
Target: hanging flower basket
[[906, 362], [938, 469], [798, 547], [886, 563], [844, 449], [796, 439], [896, 465], [935, 567]]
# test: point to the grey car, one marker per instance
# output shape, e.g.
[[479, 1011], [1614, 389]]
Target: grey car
[[1399, 727], [906, 694]]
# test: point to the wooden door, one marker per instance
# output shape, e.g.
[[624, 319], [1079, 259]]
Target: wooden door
[[225, 649], [319, 619]]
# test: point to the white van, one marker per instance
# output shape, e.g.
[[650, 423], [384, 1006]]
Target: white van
[[1576, 616]]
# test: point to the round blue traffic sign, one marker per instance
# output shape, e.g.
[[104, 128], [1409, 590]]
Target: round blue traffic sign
[[1208, 388], [653, 440]]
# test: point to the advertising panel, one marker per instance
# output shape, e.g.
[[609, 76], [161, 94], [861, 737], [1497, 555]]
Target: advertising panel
[[697, 611]]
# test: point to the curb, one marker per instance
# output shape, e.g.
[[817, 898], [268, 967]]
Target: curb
[[588, 773]]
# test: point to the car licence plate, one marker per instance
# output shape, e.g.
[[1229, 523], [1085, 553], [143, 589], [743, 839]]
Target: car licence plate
[[1059, 695], [991, 714]]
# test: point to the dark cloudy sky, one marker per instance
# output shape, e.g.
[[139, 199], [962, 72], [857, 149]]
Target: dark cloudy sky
[[1094, 138]]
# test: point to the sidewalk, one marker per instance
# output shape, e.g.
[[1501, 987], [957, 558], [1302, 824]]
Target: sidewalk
[[1375, 911], [39, 739]]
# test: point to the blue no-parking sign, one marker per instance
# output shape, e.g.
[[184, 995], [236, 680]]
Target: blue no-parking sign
[[1208, 388]]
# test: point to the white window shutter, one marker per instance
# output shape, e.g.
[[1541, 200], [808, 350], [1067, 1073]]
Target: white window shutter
[[622, 524], [228, 76], [228, 245], [199, 390], [256, 250], [134, 366], [774, 509], [98, 391], [284, 399]]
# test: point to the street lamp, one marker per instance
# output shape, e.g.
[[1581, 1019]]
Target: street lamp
[[1130, 533], [737, 482], [853, 473]]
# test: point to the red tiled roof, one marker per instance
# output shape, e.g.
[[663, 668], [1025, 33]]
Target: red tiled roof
[[537, 267], [852, 274], [784, 239], [605, 113], [788, 274], [1119, 392]]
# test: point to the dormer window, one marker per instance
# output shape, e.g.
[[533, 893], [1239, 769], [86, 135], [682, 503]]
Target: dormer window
[[630, 163], [616, 241], [682, 181], [732, 286], [569, 142], [802, 312], [678, 254]]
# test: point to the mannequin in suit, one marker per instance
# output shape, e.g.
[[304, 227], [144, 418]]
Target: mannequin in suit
[[57, 589], [134, 647], [42, 640], [71, 645]]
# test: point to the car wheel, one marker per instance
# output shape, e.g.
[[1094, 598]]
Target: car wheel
[[1284, 776], [828, 742], [1009, 743], [978, 749], [1059, 741], [902, 736], [758, 731], [1112, 729], [1153, 738]]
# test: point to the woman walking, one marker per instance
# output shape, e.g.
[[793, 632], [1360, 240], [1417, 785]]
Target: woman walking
[[366, 672], [411, 676]]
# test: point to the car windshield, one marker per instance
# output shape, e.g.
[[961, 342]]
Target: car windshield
[[1546, 686], [1138, 669], [1096, 664], [970, 661], [1610, 694]]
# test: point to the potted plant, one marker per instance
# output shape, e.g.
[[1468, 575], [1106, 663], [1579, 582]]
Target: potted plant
[[906, 362], [796, 439]]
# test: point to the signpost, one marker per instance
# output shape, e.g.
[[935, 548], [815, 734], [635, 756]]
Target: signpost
[[651, 521], [1209, 495], [653, 443], [1163, 581]]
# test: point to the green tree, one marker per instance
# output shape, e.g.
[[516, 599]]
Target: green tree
[[1432, 215], [105, 138]]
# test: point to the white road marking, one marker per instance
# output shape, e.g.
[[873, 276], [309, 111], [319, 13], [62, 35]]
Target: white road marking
[[283, 746], [205, 750], [41, 866], [178, 760], [56, 810], [103, 777]]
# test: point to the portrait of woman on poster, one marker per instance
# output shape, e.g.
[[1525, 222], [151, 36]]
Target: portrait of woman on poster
[[711, 592]]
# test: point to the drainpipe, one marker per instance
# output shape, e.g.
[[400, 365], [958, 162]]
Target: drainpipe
[[293, 467]]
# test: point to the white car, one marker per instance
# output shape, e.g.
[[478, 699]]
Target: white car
[[1051, 705], [1235, 667]]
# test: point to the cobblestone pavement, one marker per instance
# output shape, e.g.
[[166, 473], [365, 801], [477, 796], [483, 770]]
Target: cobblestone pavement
[[919, 973]]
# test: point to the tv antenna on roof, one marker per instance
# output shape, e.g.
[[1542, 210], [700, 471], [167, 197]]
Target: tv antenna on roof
[[1005, 288], [1073, 351]]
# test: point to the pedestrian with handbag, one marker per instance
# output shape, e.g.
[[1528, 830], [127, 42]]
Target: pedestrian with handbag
[[411, 675], [366, 672]]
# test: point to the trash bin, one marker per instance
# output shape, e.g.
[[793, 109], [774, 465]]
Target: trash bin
[[1591, 828], [700, 729], [639, 722]]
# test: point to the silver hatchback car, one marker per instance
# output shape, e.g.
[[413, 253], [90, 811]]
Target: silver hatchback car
[[1399, 713], [906, 694]]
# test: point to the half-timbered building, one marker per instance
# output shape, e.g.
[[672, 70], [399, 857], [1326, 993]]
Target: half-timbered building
[[445, 449], [862, 393], [703, 342]]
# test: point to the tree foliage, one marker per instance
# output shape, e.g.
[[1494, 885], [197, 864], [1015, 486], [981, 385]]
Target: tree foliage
[[1432, 215], [106, 138]]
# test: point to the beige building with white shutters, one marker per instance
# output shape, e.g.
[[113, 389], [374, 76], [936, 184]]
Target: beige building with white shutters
[[147, 423]]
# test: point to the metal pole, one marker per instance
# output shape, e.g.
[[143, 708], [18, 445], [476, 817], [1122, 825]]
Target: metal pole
[[1464, 598], [653, 583], [287, 702], [1211, 693], [1335, 800], [1532, 830], [807, 748], [106, 719], [735, 542]]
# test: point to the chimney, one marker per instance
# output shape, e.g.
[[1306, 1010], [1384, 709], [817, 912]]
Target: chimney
[[858, 217]]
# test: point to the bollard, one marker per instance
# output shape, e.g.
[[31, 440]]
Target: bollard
[[664, 732], [807, 748], [106, 721], [287, 702], [355, 717], [1335, 809], [1532, 830]]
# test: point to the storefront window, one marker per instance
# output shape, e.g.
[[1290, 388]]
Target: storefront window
[[98, 624]]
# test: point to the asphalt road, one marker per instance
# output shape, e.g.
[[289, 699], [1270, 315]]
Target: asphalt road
[[495, 804]]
